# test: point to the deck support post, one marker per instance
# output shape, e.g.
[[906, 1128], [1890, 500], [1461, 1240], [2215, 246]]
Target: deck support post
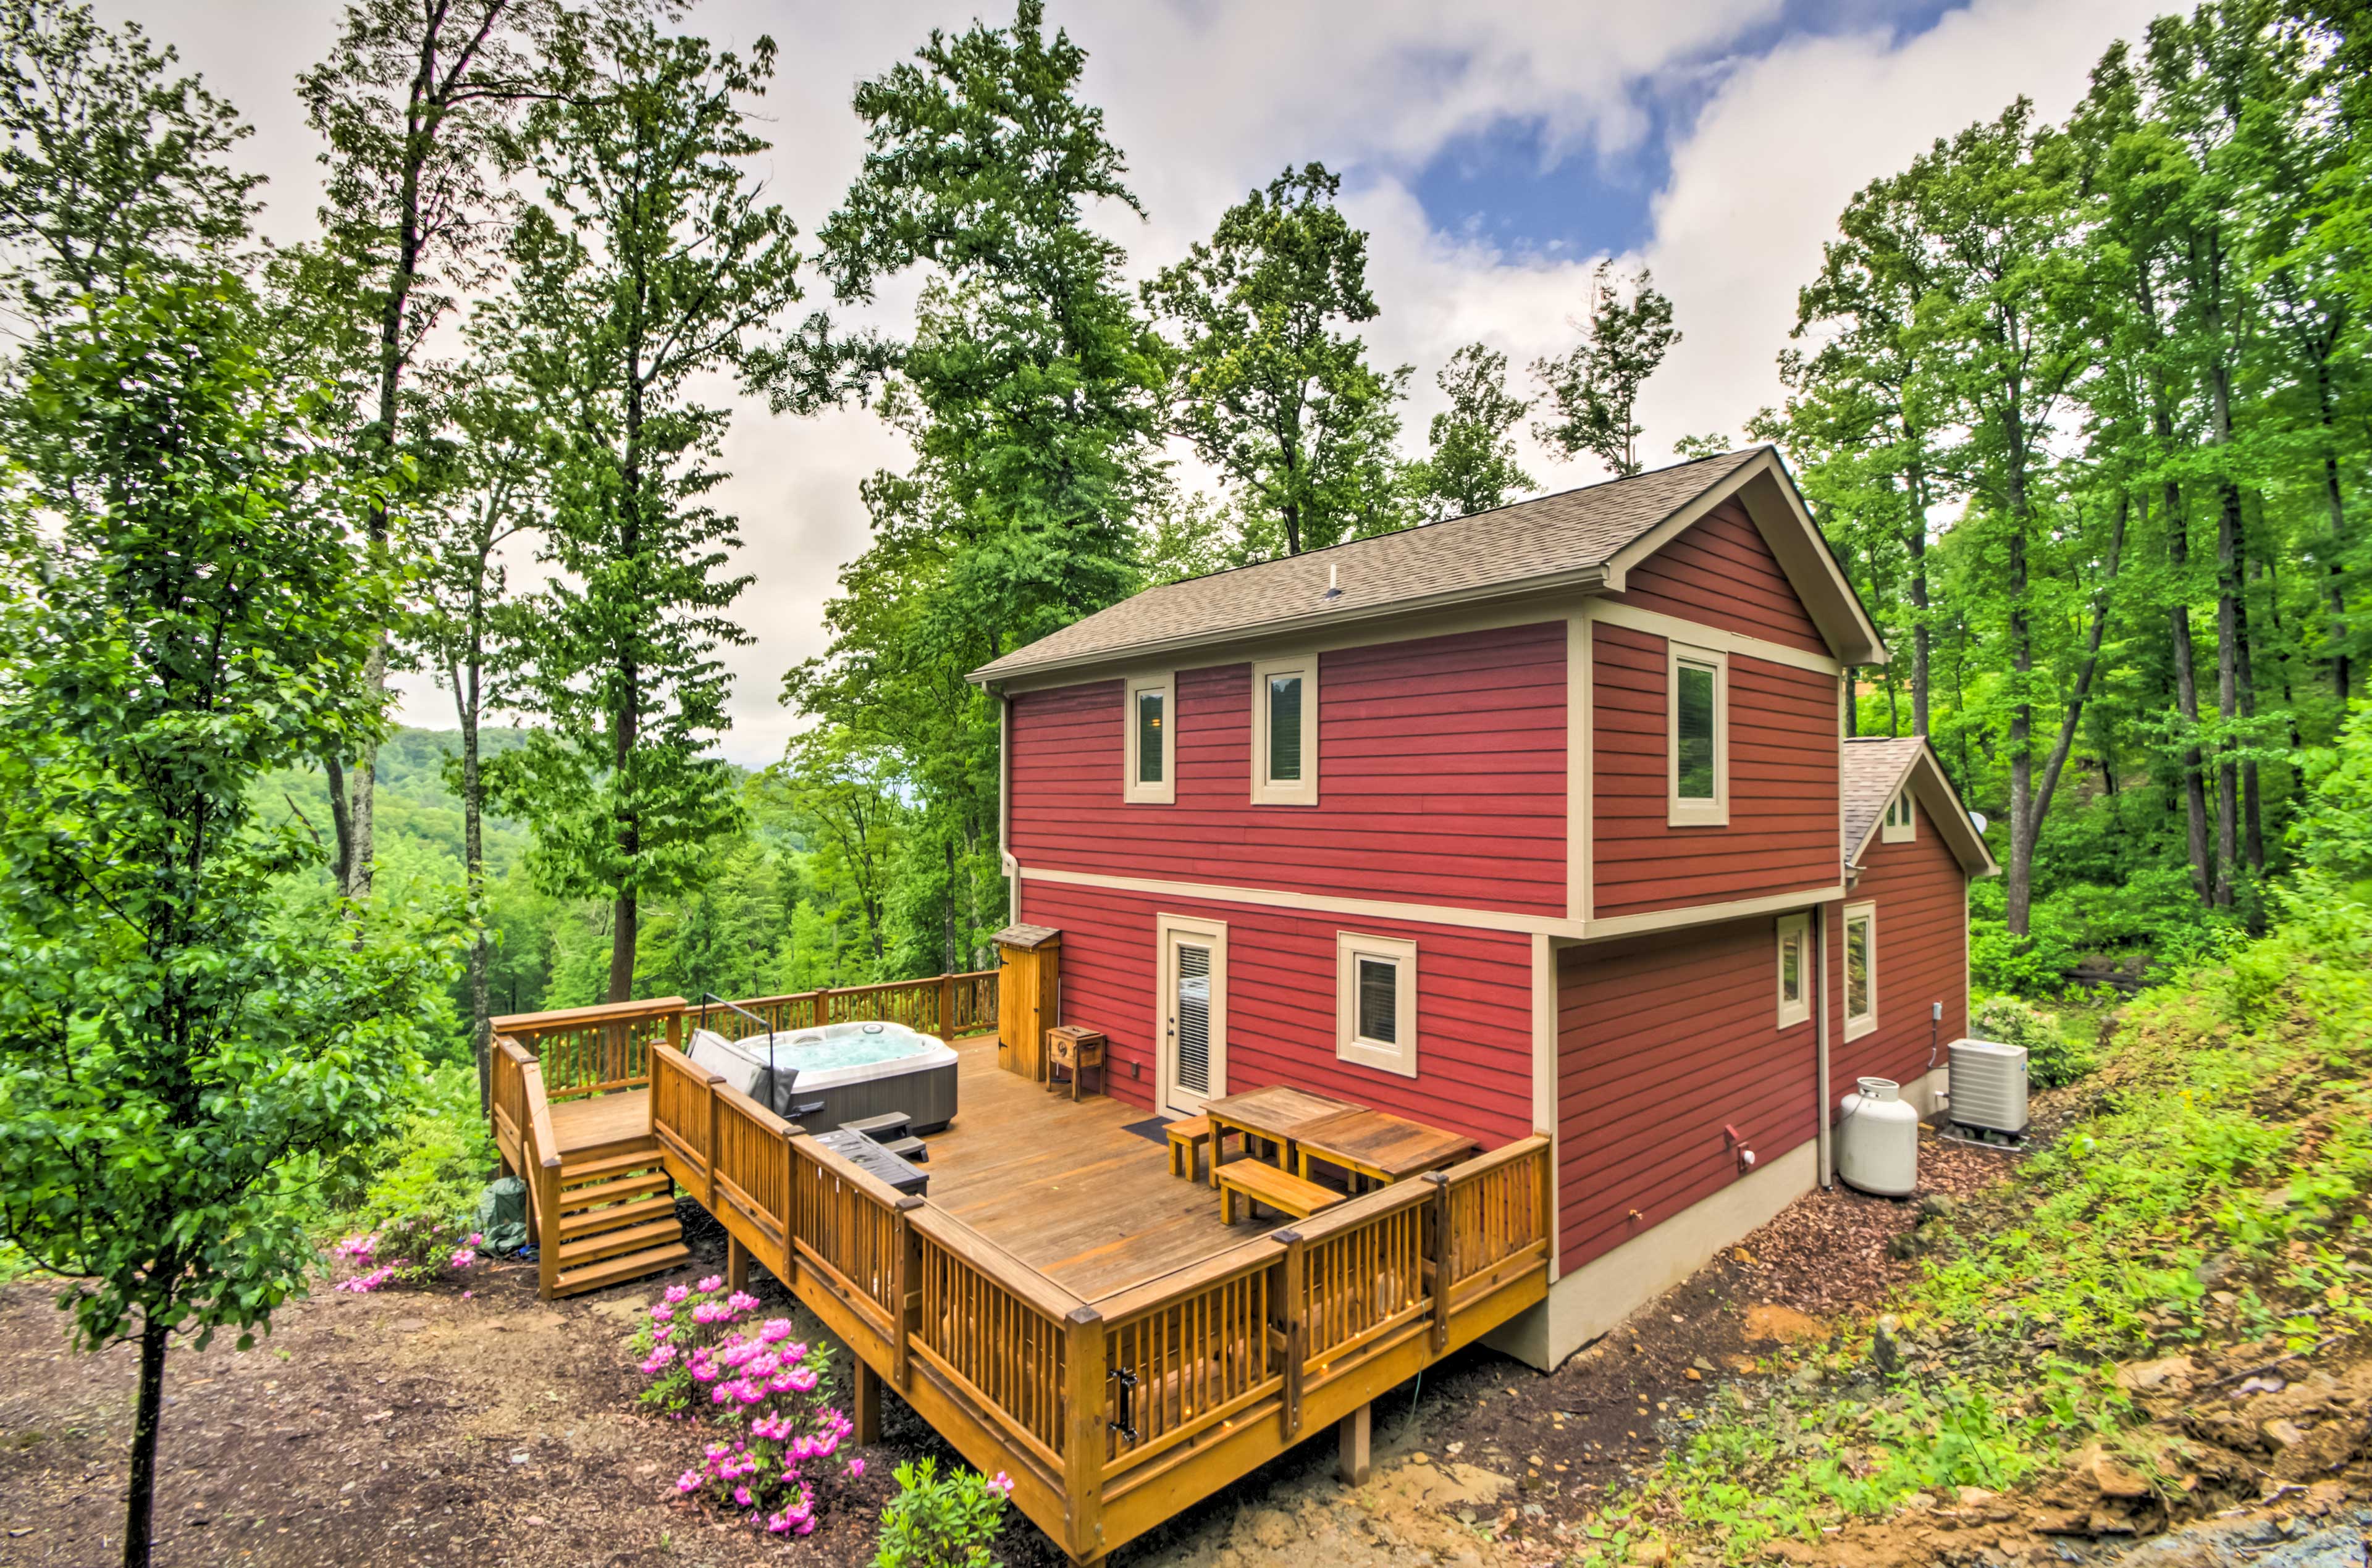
[[708, 1172], [737, 1263], [1086, 1418], [906, 1289], [1353, 1453], [1292, 1330], [547, 1225], [946, 1029], [1444, 1260], [865, 1401]]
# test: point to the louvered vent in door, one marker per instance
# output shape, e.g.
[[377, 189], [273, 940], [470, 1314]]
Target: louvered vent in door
[[1194, 1020]]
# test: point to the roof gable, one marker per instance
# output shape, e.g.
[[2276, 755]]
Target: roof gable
[[1578, 540], [1871, 771]]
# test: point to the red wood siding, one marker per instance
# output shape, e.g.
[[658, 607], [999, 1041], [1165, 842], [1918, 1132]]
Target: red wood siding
[[1783, 784], [1441, 779], [1662, 1041], [1720, 572], [1922, 959], [1473, 1005]]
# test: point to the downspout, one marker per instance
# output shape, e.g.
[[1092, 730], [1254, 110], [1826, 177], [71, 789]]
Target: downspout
[[1820, 941]]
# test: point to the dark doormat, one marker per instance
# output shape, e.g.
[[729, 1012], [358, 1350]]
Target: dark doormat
[[1151, 1130]]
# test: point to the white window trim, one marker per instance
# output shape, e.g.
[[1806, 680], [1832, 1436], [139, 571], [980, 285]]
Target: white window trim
[[1714, 813], [1304, 792], [1857, 1026], [1797, 927], [1166, 791], [1349, 1045], [1893, 833]]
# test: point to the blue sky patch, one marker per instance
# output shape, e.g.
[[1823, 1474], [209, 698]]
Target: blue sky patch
[[1501, 186]]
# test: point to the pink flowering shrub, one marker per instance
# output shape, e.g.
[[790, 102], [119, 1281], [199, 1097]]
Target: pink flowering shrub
[[413, 1250], [942, 1523], [706, 1357]]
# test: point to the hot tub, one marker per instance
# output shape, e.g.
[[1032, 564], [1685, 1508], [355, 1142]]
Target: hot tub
[[852, 1070]]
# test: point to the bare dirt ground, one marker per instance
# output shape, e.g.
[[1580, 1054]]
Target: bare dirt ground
[[426, 1428]]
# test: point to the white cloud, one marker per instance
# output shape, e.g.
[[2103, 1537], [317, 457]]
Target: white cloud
[[1211, 98]]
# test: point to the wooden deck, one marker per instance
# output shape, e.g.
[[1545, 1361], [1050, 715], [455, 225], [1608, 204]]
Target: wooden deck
[[1060, 1307]]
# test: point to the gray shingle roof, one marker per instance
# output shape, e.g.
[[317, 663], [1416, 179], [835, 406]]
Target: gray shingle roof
[[1572, 531], [1868, 773]]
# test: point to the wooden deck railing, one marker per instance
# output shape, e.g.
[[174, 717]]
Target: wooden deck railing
[[523, 1136], [949, 1006], [1110, 1416], [591, 1051]]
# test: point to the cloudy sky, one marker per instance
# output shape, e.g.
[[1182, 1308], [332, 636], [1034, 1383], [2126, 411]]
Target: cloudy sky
[[1494, 151]]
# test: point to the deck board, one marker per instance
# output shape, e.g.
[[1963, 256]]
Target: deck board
[[1065, 1187]]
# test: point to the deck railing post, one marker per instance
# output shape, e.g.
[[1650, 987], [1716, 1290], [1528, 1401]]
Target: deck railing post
[[547, 1212], [1294, 1328], [1087, 1399], [946, 1029], [905, 1286], [788, 1273], [715, 1107], [1443, 1259]]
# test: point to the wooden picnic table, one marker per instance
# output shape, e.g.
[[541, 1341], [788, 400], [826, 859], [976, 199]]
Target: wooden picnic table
[[1378, 1145], [1274, 1115]]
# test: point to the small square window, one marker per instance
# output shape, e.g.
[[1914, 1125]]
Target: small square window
[[1376, 1003], [1795, 969], [1697, 737], [1902, 821], [1860, 969]]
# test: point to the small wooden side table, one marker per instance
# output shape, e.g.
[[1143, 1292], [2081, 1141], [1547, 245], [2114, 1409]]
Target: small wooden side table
[[1077, 1048]]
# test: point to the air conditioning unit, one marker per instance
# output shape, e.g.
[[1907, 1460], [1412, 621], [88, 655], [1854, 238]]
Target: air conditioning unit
[[1989, 1085]]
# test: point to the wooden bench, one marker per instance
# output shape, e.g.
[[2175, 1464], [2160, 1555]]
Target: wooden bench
[[1280, 1190], [1186, 1141]]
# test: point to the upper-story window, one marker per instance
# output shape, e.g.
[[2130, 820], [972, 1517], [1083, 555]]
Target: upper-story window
[[1284, 732], [1150, 730], [1901, 823], [1697, 713]]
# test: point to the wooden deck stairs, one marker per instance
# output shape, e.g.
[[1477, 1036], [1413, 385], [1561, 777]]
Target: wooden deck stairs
[[617, 1219]]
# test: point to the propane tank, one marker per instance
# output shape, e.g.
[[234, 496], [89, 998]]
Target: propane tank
[[1878, 1143]]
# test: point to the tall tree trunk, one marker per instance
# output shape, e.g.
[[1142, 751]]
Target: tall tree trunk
[[1914, 539], [341, 828], [147, 1417], [2342, 683], [2253, 819], [2018, 892], [465, 686], [623, 915], [2186, 701]]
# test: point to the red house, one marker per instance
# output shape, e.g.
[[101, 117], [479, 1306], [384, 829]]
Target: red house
[[1541, 819]]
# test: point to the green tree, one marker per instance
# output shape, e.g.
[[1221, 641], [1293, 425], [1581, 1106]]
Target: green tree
[[1472, 465], [1269, 384], [194, 613], [649, 264], [1593, 387], [109, 163], [416, 103]]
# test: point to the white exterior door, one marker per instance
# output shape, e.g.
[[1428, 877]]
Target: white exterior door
[[1192, 1007]]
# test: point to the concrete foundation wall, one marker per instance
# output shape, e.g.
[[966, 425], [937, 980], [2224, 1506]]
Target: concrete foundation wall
[[1595, 1299]]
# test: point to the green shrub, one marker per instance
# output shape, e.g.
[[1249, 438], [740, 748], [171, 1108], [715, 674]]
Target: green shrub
[[2032, 964], [942, 1523], [2051, 1058]]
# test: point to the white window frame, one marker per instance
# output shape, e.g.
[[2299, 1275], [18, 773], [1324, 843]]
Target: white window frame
[[1679, 813], [1166, 791], [1796, 928], [1350, 1046], [1894, 832], [1864, 913], [1303, 791]]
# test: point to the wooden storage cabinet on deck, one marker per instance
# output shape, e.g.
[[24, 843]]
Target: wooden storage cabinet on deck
[[1031, 957]]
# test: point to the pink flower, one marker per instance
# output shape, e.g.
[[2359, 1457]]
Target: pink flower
[[477, 1239], [855, 1468], [713, 1281], [661, 1313], [773, 1330], [1003, 1483], [742, 1495], [468, 1294], [463, 1258], [801, 1379], [741, 1301], [688, 1481], [675, 1294]]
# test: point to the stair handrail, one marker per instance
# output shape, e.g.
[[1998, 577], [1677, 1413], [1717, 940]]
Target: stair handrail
[[707, 998], [543, 1149]]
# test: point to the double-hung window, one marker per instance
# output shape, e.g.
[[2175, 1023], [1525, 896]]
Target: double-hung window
[[1795, 969], [1697, 737], [1860, 969], [1149, 739], [1284, 732], [1901, 823], [1374, 1002]]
